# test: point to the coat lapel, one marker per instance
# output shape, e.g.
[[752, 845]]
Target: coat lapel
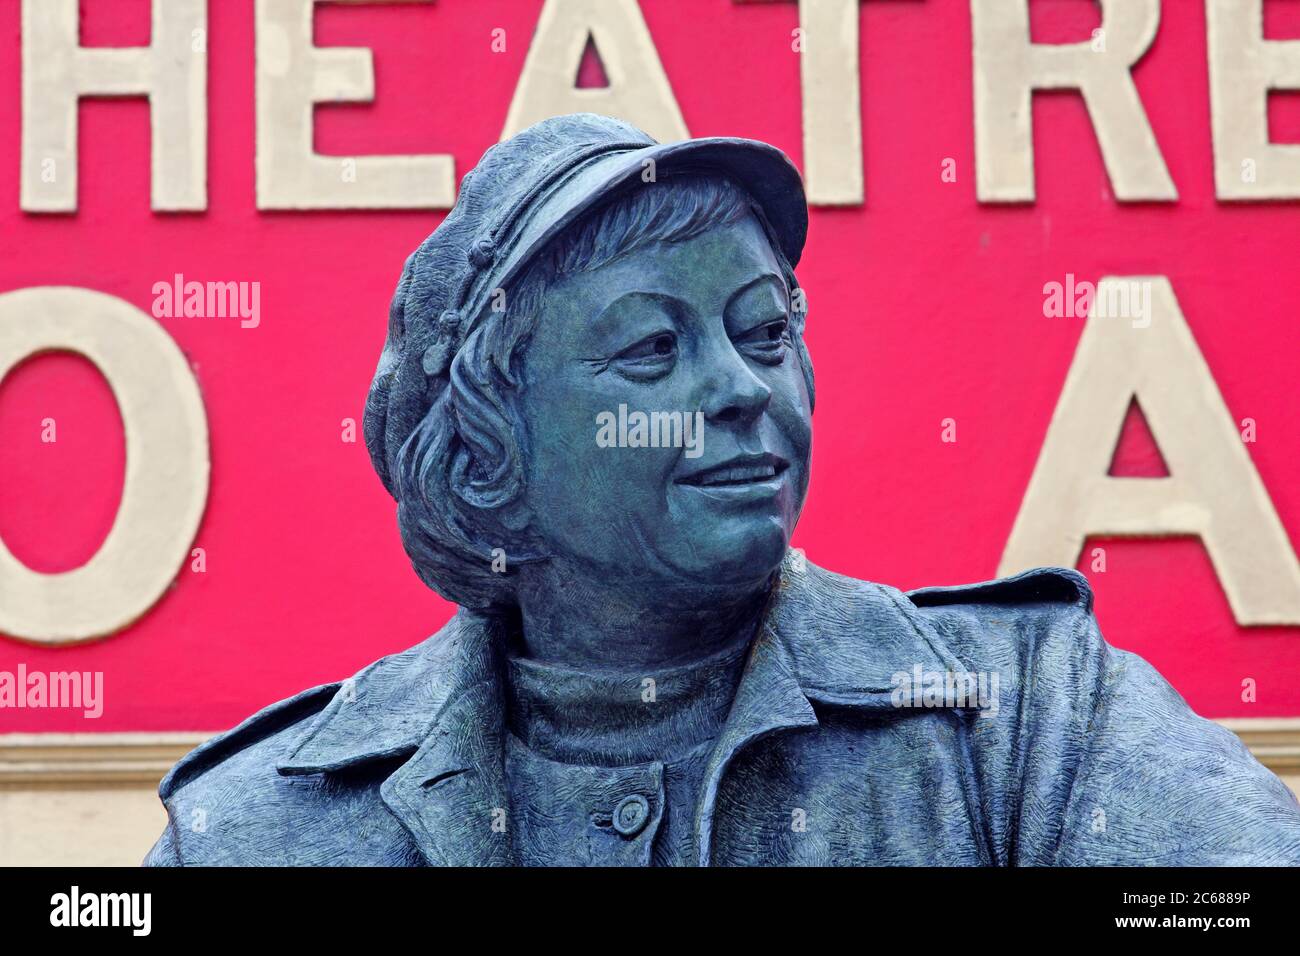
[[451, 795], [768, 700], [441, 703]]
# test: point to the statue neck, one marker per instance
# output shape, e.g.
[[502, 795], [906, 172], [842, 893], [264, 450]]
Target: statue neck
[[626, 625]]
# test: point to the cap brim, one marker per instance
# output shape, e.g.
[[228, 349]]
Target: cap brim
[[763, 171]]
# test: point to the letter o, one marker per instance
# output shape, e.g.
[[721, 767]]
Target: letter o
[[165, 488]]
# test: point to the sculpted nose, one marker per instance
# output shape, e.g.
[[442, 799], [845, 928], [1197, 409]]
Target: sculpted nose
[[733, 392]]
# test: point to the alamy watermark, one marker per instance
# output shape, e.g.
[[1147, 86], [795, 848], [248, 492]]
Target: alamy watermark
[[1118, 299], [133, 911], [56, 690], [208, 300], [921, 688], [651, 430]]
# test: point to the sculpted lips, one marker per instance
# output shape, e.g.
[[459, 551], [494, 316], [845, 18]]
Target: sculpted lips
[[741, 471]]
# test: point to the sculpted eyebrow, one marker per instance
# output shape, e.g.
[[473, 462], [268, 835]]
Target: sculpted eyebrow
[[670, 304], [757, 280]]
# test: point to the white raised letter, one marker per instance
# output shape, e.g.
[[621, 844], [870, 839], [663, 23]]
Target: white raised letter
[[638, 91], [1008, 68], [292, 76], [166, 482], [1243, 68], [172, 71], [1213, 490]]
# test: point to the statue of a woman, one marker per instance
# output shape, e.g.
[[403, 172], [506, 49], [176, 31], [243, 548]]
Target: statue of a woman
[[594, 411]]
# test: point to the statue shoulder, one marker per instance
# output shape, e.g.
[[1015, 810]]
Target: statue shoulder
[[299, 781], [282, 720], [1044, 616], [385, 699], [226, 799]]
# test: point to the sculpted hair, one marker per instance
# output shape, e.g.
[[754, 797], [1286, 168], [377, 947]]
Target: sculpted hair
[[459, 477]]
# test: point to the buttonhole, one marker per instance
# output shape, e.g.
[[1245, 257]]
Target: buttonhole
[[434, 781]]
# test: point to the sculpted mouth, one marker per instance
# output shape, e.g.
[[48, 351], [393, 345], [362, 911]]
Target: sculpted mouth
[[739, 471]]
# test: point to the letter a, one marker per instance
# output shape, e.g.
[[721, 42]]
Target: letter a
[[1212, 491]]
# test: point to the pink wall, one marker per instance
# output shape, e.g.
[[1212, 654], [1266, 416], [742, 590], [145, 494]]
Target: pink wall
[[924, 305]]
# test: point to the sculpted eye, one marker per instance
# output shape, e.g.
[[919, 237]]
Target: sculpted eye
[[650, 358], [768, 341], [658, 346]]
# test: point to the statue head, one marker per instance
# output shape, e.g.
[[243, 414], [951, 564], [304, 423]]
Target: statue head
[[597, 361]]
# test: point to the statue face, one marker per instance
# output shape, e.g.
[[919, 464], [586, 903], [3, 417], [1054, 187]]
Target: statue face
[[699, 328]]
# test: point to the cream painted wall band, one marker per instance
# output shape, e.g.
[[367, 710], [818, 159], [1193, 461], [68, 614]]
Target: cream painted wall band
[[70, 760]]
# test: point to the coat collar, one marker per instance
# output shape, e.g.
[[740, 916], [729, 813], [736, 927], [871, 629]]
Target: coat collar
[[825, 639]]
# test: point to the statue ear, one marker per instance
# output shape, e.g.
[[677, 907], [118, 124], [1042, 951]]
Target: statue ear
[[487, 476], [799, 315]]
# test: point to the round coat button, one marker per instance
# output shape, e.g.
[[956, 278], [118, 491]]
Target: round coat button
[[631, 815]]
